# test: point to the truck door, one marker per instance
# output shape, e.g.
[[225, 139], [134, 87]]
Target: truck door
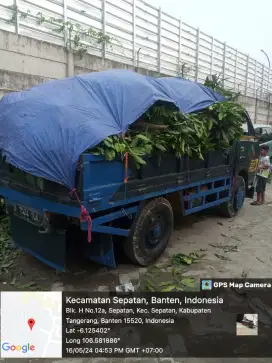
[[249, 153]]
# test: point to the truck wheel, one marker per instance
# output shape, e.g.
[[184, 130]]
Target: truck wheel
[[150, 232], [229, 209]]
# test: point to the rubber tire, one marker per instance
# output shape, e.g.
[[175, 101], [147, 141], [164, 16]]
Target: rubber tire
[[229, 209], [134, 247]]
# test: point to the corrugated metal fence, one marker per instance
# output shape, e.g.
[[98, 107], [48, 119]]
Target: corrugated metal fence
[[147, 37]]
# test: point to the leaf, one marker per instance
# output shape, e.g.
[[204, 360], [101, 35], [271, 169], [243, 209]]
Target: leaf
[[169, 288], [143, 137], [182, 146], [165, 283], [153, 269], [6, 265], [220, 116], [222, 257], [210, 124], [225, 137], [181, 258], [120, 148], [134, 142], [108, 142], [26, 286], [160, 147], [109, 154], [150, 287], [188, 282], [138, 159]]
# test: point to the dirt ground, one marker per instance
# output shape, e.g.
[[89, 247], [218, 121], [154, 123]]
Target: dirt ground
[[229, 245], [239, 247]]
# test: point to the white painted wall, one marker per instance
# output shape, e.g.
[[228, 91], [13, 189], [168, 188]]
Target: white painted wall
[[26, 62]]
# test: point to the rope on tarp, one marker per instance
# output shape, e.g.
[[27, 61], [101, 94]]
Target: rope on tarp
[[84, 215]]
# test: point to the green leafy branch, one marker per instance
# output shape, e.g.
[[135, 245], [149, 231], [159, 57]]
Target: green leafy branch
[[193, 135], [216, 83], [184, 69], [16, 12], [78, 36]]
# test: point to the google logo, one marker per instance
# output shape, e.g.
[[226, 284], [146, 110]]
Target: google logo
[[18, 348]]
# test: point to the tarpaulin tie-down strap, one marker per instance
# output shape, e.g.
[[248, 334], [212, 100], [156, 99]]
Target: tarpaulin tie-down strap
[[126, 168], [126, 176], [84, 215]]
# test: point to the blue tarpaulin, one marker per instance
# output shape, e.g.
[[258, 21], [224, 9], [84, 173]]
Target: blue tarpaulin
[[44, 130]]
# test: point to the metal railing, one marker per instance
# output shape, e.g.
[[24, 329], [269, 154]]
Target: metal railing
[[147, 37]]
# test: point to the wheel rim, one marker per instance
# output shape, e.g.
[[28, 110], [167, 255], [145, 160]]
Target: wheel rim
[[155, 232], [239, 198]]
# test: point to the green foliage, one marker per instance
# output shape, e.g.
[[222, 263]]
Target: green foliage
[[216, 83], [176, 283], [185, 69], [77, 35], [227, 119], [16, 12], [137, 145], [216, 127], [182, 259]]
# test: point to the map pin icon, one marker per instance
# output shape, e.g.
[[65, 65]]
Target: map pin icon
[[31, 323]]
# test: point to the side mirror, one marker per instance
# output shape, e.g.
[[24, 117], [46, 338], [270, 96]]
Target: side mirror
[[259, 132]]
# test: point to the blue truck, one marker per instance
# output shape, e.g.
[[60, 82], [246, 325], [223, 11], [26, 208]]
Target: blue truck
[[92, 206]]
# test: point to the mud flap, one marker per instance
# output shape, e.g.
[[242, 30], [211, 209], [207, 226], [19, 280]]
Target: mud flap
[[49, 248], [101, 250]]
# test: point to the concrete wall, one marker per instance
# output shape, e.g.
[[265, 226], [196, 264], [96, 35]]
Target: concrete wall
[[259, 111], [25, 62]]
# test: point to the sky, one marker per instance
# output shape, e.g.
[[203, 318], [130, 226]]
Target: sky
[[245, 25]]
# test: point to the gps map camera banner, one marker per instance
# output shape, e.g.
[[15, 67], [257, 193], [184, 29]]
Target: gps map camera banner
[[226, 318]]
